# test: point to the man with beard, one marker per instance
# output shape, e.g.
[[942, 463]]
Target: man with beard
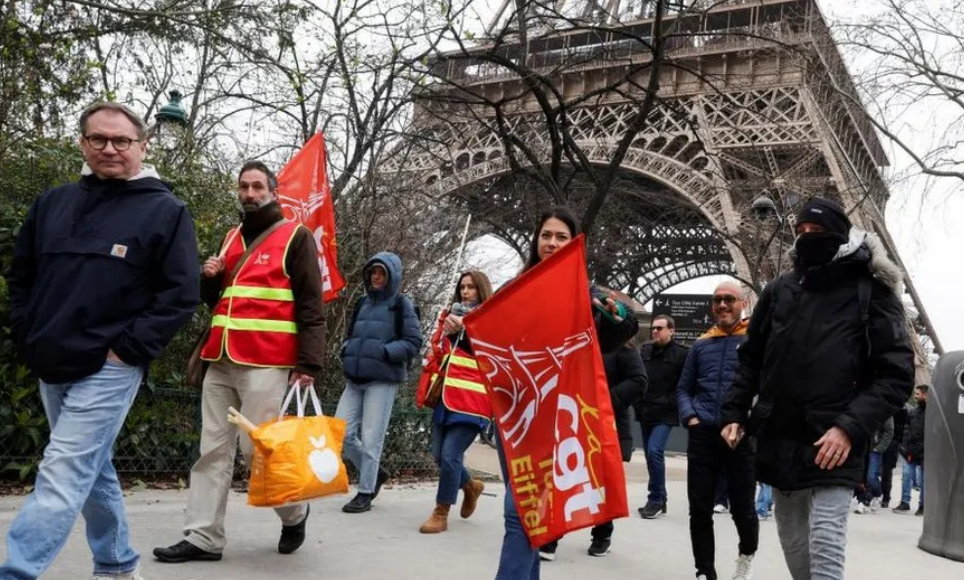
[[828, 356], [268, 332]]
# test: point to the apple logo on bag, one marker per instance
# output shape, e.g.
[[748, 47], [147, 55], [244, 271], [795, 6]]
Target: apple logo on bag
[[323, 461]]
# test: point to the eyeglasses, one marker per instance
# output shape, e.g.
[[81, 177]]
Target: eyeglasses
[[658, 328], [730, 300], [99, 142]]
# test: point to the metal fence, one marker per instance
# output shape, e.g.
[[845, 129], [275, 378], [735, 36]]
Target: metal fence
[[161, 435]]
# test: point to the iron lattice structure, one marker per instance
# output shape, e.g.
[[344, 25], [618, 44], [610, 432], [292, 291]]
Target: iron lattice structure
[[755, 112]]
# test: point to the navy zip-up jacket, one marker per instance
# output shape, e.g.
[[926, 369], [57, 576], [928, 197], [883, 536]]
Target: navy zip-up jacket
[[710, 368], [102, 265]]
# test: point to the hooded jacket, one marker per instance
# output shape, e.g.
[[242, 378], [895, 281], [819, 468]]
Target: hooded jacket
[[707, 373], [102, 264], [373, 352], [816, 364]]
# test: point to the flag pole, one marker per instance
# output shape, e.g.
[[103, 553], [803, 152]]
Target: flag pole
[[458, 256]]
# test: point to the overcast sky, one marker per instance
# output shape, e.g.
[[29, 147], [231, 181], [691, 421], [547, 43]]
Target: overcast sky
[[927, 223]]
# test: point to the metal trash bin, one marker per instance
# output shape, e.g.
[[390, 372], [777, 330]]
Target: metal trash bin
[[944, 461]]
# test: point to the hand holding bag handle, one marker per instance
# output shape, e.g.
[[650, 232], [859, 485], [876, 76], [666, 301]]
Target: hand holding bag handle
[[195, 369]]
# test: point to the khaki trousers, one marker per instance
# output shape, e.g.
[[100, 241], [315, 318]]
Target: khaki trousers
[[257, 393]]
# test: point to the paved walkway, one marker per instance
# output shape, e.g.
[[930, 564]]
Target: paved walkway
[[385, 543]]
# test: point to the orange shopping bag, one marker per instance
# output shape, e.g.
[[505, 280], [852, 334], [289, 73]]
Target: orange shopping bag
[[297, 458]]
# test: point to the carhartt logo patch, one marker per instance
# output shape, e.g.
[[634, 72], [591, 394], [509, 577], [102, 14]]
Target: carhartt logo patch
[[118, 251]]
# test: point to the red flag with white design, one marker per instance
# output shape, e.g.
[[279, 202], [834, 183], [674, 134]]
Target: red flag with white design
[[305, 197], [536, 345]]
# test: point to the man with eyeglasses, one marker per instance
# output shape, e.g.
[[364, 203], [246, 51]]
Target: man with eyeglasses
[[707, 373], [104, 273], [658, 412], [827, 361]]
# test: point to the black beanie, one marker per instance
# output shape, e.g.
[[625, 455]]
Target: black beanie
[[826, 213]]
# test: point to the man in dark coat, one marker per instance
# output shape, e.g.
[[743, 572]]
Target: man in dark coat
[[912, 451], [104, 274], [829, 357], [709, 369], [657, 411]]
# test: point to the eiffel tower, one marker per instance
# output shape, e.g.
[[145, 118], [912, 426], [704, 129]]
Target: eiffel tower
[[756, 113]]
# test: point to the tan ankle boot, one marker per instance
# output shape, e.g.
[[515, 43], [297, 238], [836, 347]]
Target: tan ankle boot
[[438, 521], [471, 492]]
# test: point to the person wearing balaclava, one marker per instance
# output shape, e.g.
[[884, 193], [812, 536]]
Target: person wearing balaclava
[[827, 360]]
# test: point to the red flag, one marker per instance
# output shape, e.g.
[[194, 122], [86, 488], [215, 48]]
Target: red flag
[[548, 388], [305, 197]]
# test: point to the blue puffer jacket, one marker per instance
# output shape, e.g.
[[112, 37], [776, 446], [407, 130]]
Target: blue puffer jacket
[[710, 367], [373, 352]]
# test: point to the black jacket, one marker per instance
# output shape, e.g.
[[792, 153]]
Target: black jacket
[[663, 366], [913, 445], [817, 364], [626, 376], [99, 265]]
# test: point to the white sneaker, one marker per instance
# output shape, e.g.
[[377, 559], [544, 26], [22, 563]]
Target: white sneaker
[[701, 577], [861, 509], [744, 567], [875, 504], [135, 575], [719, 509]]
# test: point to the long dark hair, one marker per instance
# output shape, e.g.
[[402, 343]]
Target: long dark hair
[[482, 285], [562, 214]]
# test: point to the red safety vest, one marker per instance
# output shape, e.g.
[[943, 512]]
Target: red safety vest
[[254, 320], [463, 390]]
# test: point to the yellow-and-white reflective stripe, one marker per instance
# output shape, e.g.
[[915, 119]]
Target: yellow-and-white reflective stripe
[[282, 294], [464, 362], [254, 324], [463, 384]]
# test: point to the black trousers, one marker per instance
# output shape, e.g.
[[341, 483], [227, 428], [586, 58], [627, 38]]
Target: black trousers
[[708, 457]]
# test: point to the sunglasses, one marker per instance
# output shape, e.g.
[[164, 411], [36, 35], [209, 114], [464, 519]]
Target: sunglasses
[[728, 299], [658, 328]]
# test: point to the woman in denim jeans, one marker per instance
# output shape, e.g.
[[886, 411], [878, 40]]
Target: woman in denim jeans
[[557, 227], [463, 408]]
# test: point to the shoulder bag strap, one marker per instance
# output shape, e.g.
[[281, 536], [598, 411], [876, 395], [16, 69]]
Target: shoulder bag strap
[[254, 244]]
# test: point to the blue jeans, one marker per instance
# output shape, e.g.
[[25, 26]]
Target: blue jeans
[[654, 442], [449, 443], [366, 410], [875, 464], [77, 477], [913, 473], [764, 501], [519, 560]]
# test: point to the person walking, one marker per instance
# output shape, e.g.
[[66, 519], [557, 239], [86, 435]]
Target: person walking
[[463, 409], [657, 412], [267, 332], [104, 274], [383, 336]]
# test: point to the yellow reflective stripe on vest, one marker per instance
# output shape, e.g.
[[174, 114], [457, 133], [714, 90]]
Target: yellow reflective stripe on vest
[[283, 294], [463, 362], [254, 324], [463, 384]]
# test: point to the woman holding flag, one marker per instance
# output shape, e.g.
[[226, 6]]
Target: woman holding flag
[[463, 408], [614, 326]]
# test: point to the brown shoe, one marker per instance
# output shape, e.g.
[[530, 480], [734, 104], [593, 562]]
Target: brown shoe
[[471, 490], [438, 521]]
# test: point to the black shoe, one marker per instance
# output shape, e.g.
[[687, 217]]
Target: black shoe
[[293, 536], [884, 503], [651, 511], [383, 476], [184, 551], [663, 507], [548, 551], [362, 502], [599, 548], [920, 511], [902, 507]]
